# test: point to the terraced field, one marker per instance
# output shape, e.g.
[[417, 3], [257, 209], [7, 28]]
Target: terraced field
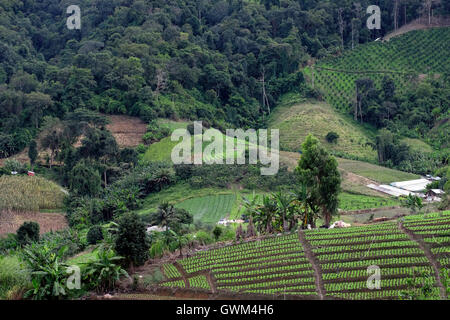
[[335, 77], [324, 263], [271, 266]]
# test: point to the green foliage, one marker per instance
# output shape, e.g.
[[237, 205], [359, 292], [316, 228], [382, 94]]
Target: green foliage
[[48, 273], [85, 179], [13, 276], [414, 203], [317, 170], [94, 235], [131, 240], [32, 152], [419, 287], [332, 137], [102, 273], [28, 233], [217, 232]]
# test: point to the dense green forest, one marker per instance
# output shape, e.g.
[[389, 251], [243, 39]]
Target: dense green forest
[[174, 59]]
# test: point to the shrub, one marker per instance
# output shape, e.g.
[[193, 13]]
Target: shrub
[[217, 232], [94, 235], [132, 241], [28, 232], [332, 137], [204, 237], [8, 244]]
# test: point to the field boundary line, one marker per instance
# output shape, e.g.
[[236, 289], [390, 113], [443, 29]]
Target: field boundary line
[[426, 249], [183, 274], [320, 287]]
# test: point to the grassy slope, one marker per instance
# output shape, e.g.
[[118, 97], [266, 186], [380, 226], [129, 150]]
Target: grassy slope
[[298, 119], [374, 172]]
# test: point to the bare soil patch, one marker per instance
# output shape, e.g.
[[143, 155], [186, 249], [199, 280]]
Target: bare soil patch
[[10, 221], [127, 131]]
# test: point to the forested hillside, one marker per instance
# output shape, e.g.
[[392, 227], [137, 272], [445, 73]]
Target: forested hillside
[[186, 59]]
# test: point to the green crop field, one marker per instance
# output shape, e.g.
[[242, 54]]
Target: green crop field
[[349, 201], [282, 265], [297, 119], [402, 58], [209, 209]]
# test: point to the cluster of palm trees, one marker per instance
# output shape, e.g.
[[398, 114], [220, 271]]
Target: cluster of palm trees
[[281, 211]]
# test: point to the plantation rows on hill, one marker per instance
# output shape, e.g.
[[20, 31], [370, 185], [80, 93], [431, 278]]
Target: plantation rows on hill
[[329, 263], [402, 59]]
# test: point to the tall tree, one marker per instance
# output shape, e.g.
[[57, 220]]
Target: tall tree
[[32, 153], [318, 171]]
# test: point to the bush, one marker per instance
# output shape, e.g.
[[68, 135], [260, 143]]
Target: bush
[[8, 244], [28, 232], [94, 235], [332, 137], [217, 232], [204, 237], [132, 241]]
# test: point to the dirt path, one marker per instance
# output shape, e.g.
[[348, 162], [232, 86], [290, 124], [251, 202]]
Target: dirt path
[[429, 255], [320, 288], [211, 281], [418, 24], [183, 274]]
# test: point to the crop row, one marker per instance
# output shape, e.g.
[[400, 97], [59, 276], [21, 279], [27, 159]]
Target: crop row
[[199, 282], [173, 284], [379, 262], [283, 291], [361, 285], [301, 284], [369, 253], [369, 233], [385, 272], [171, 271], [265, 277], [259, 271], [359, 239], [300, 262], [364, 246]]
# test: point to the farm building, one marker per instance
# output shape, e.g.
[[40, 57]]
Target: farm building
[[393, 191], [434, 195], [412, 185]]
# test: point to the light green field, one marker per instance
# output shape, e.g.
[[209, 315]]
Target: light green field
[[374, 172], [349, 201], [209, 209], [417, 145], [296, 120]]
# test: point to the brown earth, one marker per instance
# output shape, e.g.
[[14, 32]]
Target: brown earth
[[10, 221], [128, 131]]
